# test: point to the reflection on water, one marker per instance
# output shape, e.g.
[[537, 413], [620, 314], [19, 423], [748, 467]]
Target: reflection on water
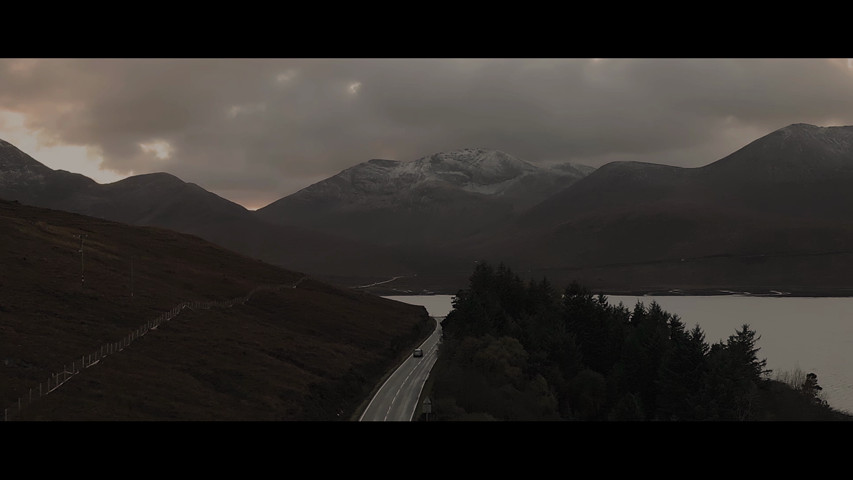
[[807, 334]]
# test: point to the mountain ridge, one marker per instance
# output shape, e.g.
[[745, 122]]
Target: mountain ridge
[[164, 200], [446, 194]]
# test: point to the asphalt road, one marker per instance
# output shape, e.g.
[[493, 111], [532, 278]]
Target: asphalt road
[[397, 399]]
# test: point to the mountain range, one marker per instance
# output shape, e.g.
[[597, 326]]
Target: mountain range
[[773, 216], [378, 219], [163, 200]]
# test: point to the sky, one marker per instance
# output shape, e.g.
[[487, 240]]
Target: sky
[[253, 130]]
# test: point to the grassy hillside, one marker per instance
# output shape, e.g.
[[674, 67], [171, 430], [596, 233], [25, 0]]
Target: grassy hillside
[[313, 352]]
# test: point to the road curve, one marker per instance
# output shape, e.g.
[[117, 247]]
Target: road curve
[[397, 399]]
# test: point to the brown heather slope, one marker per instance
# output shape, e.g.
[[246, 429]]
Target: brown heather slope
[[314, 352]]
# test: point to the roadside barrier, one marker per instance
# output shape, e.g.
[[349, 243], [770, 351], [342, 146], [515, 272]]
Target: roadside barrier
[[88, 360]]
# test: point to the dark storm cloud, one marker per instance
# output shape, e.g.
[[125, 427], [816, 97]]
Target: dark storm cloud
[[267, 127]]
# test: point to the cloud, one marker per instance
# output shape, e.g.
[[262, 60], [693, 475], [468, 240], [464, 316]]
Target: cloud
[[267, 127], [158, 148]]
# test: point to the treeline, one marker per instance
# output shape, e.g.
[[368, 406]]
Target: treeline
[[526, 351]]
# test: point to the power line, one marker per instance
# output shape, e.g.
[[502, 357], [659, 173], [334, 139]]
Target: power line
[[82, 275]]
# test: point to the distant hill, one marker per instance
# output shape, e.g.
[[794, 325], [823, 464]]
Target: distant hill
[[313, 352]]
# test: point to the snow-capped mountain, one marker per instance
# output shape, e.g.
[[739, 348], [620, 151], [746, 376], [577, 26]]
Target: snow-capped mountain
[[486, 172], [449, 193]]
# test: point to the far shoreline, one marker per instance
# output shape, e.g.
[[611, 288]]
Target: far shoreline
[[425, 285], [673, 292]]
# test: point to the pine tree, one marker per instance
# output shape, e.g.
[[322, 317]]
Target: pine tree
[[682, 374], [735, 372], [742, 346], [812, 390]]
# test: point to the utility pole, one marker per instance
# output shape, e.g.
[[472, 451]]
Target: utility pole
[[427, 408], [82, 276]]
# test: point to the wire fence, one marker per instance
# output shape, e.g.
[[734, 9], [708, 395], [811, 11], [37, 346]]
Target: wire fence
[[56, 380]]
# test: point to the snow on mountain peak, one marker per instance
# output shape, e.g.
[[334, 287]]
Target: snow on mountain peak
[[473, 170], [804, 143], [481, 159], [831, 137]]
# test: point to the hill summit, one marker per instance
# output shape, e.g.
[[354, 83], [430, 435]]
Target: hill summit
[[797, 153]]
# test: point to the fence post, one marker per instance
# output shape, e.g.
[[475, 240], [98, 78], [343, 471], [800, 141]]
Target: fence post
[[112, 347]]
